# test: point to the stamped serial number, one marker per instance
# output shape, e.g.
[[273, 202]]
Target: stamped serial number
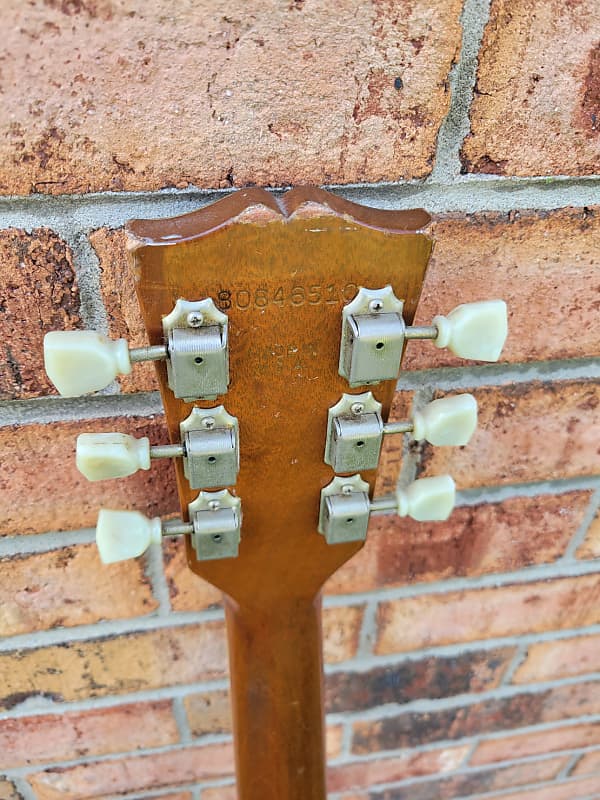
[[262, 297]]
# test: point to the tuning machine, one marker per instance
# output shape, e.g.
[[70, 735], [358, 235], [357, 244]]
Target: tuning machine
[[346, 507], [209, 447], [214, 527], [374, 333], [355, 428], [195, 349]]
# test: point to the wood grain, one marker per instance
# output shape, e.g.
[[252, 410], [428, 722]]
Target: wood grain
[[282, 269]]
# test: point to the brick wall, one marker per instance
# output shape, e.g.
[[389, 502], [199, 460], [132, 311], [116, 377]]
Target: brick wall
[[462, 657]]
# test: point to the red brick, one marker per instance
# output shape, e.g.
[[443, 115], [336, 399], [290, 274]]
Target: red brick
[[341, 632], [492, 537], [560, 659], [208, 712], [556, 426], [43, 490], [535, 743], [114, 665], [47, 590], [543, 264], [589, 764], [534, 113], [590, 548], [118, 293], [37, 276], [220, 793], [475, 782], [178, 796], [8, 790], [411, 728], [289, 94], [572, 790], [416, 679], [54, 737], [363, 774], [134, 774], [438, 619], [188, 591]]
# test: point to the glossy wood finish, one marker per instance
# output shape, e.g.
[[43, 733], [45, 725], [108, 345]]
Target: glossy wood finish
[[282, 269]]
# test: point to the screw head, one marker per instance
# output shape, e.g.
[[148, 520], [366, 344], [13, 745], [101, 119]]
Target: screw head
[[216, 537], [214, 505], [357, 408], [195, 319], [208, 423], [376, 305], [347, 489]]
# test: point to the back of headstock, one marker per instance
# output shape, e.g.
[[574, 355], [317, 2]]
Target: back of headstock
[[282, 276]]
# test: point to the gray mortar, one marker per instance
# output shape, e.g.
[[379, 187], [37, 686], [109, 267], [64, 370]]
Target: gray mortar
[[463, 75]]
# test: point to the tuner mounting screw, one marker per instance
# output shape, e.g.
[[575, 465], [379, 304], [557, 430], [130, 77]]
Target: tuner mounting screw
[[195, 319], [357, 408], [376, 305], [347, 489], [214, 505], [208, 423]]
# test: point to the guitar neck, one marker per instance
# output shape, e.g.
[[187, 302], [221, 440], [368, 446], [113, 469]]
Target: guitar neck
[[275, 659]]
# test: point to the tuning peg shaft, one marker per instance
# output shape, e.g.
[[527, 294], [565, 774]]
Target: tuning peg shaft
[[346, 508], [424, 500], [476, 331], [374, 334], [216, 519], [80, 362], [355, 429], [100, 456], [449, 421], [209, 448]]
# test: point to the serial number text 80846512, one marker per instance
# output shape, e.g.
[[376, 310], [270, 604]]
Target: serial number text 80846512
[[297, 295]]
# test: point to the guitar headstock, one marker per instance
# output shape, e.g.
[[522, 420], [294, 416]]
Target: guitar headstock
[[278, 327], [281, 272]]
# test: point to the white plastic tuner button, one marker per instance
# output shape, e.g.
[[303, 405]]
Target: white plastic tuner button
[[474, 330], [111, 455], [125, 534], [428, 499], [448, 421], [80, 362]]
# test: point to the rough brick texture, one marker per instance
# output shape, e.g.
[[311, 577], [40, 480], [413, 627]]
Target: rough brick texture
[[411, 728], [38, 293], [543, 264], [98, 779], [556, 425], [114, 665], [49, 590], [561, 659], [55, 737], [588, 764], [491, 537], [476, 782], [591, 544], [32, 456], [536, 106], [438, 619], [260, 113], [534, 744]]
